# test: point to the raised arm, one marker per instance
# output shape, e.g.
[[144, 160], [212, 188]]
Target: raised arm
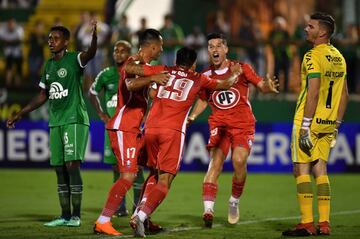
[[86, 56], [35, 103], [134, 84], [236, 70], [133, 68]]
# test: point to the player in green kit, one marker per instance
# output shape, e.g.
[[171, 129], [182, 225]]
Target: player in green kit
[[107, 80], [61, 84]]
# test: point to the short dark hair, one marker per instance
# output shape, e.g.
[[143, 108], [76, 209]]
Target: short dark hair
[[216, 35], [63, 30], [149, 35], [325, 20], [185, 56]]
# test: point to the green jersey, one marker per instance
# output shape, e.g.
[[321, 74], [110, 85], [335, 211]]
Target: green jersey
[[107, 80], [63, 81]]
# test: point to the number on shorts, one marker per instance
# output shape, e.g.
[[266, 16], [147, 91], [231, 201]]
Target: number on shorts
[[130, 152], [180, 89]]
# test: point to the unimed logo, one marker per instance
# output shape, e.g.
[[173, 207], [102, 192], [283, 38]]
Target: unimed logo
[[57, 91]]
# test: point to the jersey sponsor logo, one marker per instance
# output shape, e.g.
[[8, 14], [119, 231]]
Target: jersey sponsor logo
[[57, 91], [307, 59], [62, 72], [334, 73], [112, 103], [333, 58], [325, 121], [226, 99]]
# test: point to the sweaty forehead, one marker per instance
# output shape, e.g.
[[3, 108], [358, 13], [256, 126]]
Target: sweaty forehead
[[57, 34]]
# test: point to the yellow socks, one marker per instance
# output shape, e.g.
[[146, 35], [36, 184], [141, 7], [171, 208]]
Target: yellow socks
[[305, 198], [323, 197]]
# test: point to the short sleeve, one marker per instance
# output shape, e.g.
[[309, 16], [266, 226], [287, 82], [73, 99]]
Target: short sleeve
[[250, 74], [98, 83], [42, 83], [311, 63]]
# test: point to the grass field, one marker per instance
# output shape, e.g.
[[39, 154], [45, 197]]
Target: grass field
[[28, 198]]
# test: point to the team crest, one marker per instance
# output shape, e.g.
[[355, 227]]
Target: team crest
[[226, 99], [62, 72]]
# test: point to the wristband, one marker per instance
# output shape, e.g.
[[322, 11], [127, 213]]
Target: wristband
[[152, 70], [306, 122]]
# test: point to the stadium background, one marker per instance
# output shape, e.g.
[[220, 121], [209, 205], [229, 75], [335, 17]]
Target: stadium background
[[26, 145]]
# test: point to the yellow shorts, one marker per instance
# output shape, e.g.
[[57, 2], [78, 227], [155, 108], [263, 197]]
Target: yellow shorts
[[320, 150]]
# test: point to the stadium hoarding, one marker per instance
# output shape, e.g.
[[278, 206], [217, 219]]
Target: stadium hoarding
[[27, 146]]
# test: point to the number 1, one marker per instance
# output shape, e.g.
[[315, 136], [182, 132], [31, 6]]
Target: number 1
[[329, 96]]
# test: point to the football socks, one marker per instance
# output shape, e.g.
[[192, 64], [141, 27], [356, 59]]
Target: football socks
[[305, 198], [323, 197]]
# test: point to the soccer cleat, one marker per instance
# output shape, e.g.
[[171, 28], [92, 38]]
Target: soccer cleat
[[57, 222], [138, 226], [106, 228], [301, 230], [208, 218], [323, 228], [152, 228], [74, 222], [233, 212]]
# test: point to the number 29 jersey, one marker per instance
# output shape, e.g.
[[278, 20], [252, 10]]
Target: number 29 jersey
[[173, 101], [325, 62], [231, 108]]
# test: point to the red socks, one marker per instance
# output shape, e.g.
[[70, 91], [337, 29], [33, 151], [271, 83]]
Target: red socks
[[155, 197], [209, 191], [115, 196], [237, 188]]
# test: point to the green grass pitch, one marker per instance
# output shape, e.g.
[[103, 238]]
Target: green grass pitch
[[28, 198]]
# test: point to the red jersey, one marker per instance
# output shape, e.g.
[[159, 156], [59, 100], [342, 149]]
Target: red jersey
[[231, 107], [172, 102], [131, 105]]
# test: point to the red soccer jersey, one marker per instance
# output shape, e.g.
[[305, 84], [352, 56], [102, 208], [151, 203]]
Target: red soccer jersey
[[131, 105], [231, 107], [173, 101]]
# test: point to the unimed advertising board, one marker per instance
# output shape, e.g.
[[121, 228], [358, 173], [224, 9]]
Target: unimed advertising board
[[27, 146]]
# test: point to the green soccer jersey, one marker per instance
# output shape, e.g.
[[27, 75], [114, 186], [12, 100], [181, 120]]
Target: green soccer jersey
[[107, 80], [63, 81]]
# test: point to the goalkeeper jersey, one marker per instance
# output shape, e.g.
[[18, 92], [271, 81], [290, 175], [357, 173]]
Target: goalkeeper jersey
[[323, 61]]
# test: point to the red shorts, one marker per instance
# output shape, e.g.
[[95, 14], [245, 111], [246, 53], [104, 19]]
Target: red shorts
[[223, 138], [164, 148], [126, 147]]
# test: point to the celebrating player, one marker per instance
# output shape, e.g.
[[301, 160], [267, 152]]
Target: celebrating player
[[318, 115], [68, 122], [166, 124], [107, 80], [232, 123], [124, 127]]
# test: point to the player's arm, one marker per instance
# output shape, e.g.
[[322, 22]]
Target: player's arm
[[236, 70], [86, 56], [198, 108], [95, 101], [35, 103], [133, 68], [134, 84], [312, 98], [269, 85], [341, 111]]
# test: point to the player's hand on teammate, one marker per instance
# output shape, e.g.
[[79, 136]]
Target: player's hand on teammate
[[333, 141], [160, 79], [272, 83], [305, 143], [236, 68]]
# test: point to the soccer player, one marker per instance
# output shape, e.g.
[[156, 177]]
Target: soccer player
[[124, 127], [318, 115], [165, 126], [107, 80], [61, 84], [231, 122]]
